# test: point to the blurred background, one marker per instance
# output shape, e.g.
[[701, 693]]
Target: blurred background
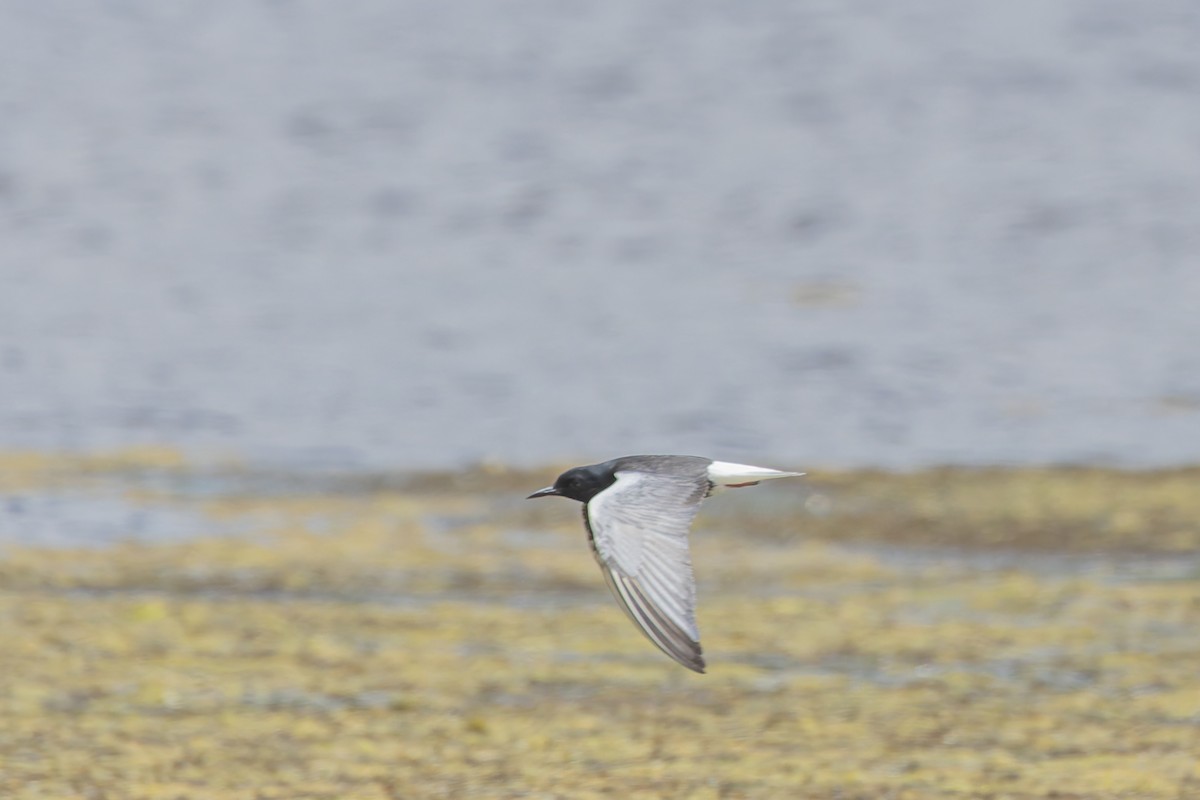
[[298, 301], [422, 235]]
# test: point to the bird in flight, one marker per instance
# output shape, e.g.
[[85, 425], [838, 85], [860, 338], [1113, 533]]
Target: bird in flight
[[637, 511]]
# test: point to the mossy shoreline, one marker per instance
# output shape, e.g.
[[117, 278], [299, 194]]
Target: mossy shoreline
[[1025, 633]]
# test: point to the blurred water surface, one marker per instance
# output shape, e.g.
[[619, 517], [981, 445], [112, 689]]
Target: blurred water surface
[[422, 234]]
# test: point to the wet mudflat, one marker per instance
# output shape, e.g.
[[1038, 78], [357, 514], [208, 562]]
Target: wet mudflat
[[954, 633]]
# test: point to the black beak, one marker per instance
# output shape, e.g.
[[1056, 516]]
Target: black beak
[[547, 492]]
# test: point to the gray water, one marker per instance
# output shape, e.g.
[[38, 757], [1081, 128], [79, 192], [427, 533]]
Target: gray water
[[420, 234]]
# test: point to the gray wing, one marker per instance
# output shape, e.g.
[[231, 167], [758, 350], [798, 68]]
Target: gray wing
[[639, 529]]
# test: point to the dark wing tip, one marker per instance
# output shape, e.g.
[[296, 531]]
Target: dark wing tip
[[658, 628], [686, 652], [691, 657]]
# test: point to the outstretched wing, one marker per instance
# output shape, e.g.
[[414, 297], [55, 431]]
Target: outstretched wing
[[639, 530]]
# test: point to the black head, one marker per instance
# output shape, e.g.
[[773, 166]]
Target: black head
[[581, 483]]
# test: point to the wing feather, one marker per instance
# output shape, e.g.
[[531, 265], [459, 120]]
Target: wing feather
[[639, 529]]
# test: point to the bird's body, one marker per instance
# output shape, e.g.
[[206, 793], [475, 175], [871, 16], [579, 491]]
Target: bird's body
[[637, 511]]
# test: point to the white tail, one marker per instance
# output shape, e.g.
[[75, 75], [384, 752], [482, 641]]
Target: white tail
[[723, 473]]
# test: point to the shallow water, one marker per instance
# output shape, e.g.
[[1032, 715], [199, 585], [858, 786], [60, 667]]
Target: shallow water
[[416, 235], [97, 518]]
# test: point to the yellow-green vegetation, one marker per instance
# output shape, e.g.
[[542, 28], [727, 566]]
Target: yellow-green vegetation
[[942, 634]]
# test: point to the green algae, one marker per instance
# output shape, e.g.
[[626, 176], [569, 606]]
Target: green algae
[[434, 636]]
